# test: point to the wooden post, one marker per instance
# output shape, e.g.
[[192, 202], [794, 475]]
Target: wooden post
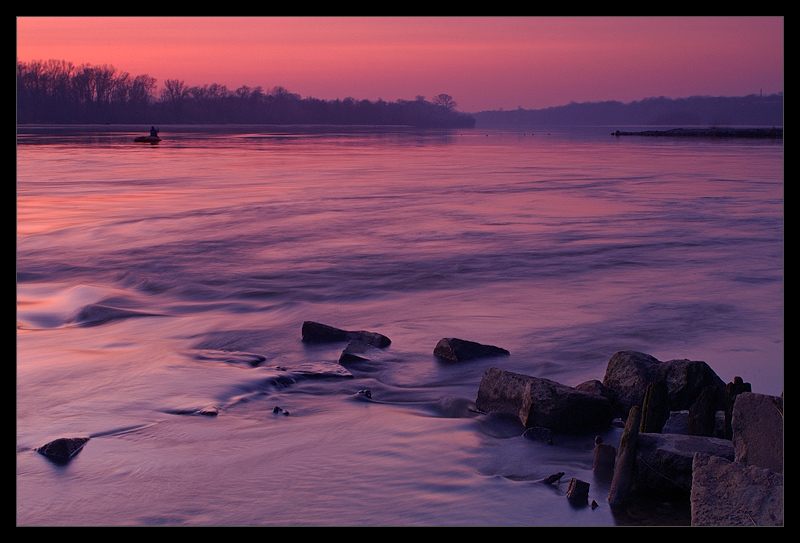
[[655, 409], [623, 471]]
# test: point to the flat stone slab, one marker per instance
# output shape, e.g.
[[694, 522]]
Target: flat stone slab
[[757, 425]]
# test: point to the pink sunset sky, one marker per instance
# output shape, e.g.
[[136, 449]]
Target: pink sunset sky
[[482, 62]]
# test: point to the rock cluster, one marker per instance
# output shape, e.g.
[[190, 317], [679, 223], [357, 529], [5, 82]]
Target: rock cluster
[[747, 490], [687, 436]]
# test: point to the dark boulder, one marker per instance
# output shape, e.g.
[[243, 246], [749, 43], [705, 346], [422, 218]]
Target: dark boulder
[[629, 373], [62, 449], [458, 350], [540, 402], [314, 332]]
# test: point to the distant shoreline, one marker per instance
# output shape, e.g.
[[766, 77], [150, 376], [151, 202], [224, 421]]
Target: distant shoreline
[[772, 133]]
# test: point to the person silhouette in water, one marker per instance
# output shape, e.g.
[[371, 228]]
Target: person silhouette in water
[[153, 132]]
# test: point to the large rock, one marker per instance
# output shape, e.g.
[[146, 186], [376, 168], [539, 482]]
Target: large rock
[[726, 493], [630, 372], [542, 402], [458, 350], [315, 332], [757, 424]]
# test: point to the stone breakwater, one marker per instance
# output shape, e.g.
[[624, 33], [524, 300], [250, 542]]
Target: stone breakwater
[[758, 133], [688, 437]]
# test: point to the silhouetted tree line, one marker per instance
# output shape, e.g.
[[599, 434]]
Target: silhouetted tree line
[[56, 91], [751, 110]]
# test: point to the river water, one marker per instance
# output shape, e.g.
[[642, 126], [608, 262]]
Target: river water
[[156, 280]]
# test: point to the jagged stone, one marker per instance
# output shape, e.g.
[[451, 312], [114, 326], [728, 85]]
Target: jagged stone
[[578, 491], [726, 493], [63, 448], [757, 424]]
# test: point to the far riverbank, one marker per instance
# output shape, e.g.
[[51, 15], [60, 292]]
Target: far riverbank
[[773, 133]]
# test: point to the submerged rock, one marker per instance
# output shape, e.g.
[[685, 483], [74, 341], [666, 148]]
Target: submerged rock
[[97, 314], [285, 377], [553, 478], [458, 350], [320, 370], [62, 449], [359, 351], [231, 357], [207, 411], [537, 433]]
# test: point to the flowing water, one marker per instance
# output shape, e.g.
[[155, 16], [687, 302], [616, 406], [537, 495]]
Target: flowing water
[[156, 280]]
